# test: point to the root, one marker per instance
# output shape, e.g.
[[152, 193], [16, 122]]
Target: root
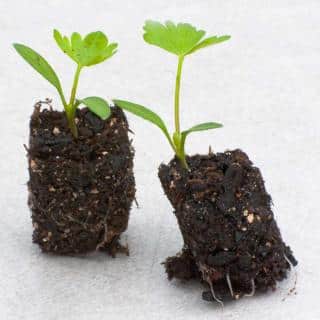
[[290, 263], [253, 289], [293, 288], [105, 239], [206, 277], [229, 284], [213, 294], [136, 202]]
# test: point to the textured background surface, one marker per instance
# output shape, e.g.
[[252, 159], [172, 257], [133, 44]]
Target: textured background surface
[[263, 85]]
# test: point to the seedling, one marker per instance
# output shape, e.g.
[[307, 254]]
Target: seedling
[[94, 48], [181, 39]]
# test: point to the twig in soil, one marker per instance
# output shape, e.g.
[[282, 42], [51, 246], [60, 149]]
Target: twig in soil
[[105, 236], [229, 284], [253, 290], [47, 101], [77, 221]]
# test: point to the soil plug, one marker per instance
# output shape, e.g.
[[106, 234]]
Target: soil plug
[[81, 183], [231, 239]]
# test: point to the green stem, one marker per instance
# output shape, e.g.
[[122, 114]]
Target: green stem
[[182, 152], [177, 95], [184, 163], [73, 104], [75, 86], [72, 125], [179, 144]]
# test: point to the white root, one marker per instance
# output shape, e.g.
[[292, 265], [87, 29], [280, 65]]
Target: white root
[[206, 277], [293, 289], [290, 264], [213, 294], [253, 289], [229, 284]]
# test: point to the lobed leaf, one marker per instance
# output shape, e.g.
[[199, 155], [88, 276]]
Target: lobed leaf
[[91, 50], [180, 39], [98, 106], [39, 64]]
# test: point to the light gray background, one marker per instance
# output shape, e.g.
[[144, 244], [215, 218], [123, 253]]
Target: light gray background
[[263, 85]]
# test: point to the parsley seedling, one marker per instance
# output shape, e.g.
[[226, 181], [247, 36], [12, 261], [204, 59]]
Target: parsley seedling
[[94, 48], [181, 39]]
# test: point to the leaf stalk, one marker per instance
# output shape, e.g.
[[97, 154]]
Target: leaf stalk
[[75, 85], [177, 95], [73, 103], [177, 139]]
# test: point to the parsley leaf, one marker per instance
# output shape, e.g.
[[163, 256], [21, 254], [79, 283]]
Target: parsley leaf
[[92, 49], [180, 39]]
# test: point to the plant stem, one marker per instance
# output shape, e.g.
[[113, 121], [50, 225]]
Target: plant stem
[[184, 161], [177, 95], [182, 151], [74, 87], [72, 106], [72, 125], [179, 144]]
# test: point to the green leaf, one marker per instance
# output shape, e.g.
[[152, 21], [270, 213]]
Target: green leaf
[[209, 42], [203, 126], [181, 39], [98, 106], [199, 127], [178, 39], [144, 113], [39, 64], [94, 48]]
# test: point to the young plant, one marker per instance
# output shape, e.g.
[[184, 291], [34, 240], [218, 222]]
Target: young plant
[[94, 48], [181, 39]]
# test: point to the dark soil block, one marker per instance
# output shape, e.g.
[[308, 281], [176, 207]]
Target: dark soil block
[[231, 239], [80, 190]]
